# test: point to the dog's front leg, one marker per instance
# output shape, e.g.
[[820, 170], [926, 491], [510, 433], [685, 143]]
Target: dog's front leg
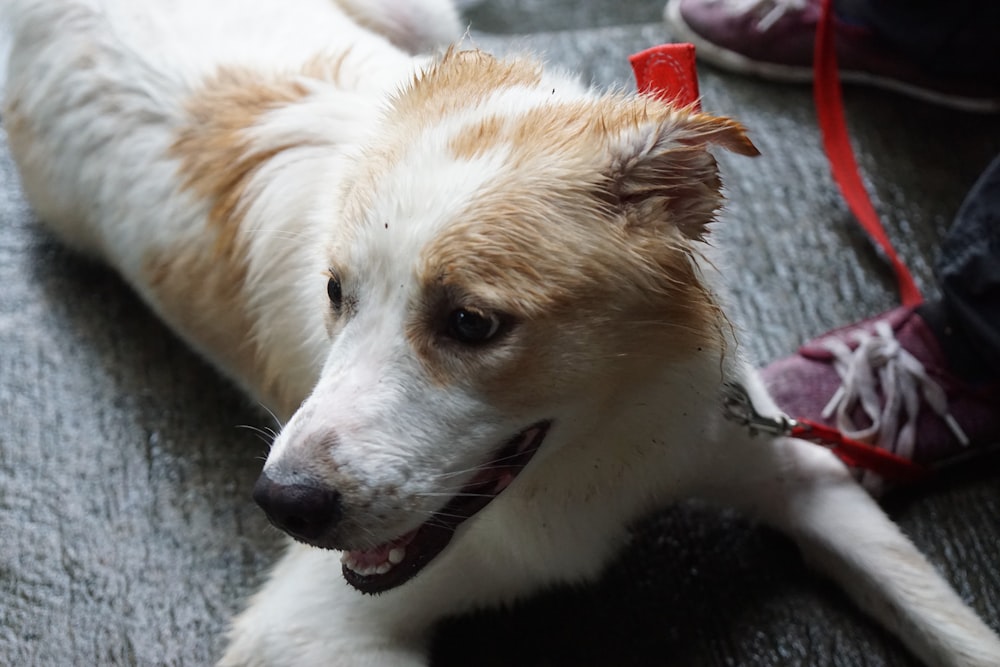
[[805, 491], [306, 615]]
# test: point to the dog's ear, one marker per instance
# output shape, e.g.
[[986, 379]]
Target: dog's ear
[[660, 171]]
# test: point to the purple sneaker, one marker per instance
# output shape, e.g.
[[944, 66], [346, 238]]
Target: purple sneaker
[[774, 39], [886, 381]]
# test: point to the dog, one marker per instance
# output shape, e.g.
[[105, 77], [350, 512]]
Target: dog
[[476, 290]]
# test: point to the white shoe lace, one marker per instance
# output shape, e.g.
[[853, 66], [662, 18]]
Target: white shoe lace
[[879, 361], [770, 10]]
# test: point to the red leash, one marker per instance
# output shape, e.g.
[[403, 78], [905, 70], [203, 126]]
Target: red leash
[[837, 144], [856, 454]]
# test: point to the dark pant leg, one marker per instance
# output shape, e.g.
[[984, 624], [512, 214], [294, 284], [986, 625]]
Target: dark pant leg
[[945, 36], [968, 270], [962, 37]]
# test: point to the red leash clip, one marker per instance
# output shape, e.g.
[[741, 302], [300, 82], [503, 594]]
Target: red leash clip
[[854, 453]]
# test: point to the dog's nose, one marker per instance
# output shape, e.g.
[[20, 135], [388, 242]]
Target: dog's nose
[[303, 510]]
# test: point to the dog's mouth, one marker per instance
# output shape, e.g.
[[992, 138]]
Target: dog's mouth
[[396, 562]]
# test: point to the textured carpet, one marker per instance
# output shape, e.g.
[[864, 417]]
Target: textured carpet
[[127, 535]]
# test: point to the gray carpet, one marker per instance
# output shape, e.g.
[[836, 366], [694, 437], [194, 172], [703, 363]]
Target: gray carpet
[[127, 536]]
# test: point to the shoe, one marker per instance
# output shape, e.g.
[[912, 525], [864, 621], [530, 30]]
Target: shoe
[[886, 381], [774, 39]]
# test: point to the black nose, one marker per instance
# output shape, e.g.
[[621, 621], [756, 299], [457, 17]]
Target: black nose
[[306, 511]]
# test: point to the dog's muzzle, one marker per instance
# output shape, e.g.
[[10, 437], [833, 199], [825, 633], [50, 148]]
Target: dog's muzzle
[[312, 512]]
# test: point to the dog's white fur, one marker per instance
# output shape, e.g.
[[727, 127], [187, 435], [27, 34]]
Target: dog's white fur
[[126, 133]]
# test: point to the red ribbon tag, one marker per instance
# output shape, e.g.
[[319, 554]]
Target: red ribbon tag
[[667, 72]]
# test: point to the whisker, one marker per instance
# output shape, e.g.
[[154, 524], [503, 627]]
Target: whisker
[[267, 437], [479, 468], [277, 421]]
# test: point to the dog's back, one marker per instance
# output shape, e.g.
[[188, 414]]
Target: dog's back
[[137, 124]]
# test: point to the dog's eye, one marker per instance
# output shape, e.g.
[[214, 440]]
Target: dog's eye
[[472, 327], [335, 293]]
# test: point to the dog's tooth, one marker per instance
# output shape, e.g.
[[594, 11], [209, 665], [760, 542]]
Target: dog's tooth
[[352, 564]]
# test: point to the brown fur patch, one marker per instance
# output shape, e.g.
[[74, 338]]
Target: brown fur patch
[[200, 288], [460, 80], [199, 294], [217, 157], [584, 240], [587, 298], [592, 185], [477, 138]]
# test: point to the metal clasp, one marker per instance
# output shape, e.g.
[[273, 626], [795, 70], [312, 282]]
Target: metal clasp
[[738, 408]]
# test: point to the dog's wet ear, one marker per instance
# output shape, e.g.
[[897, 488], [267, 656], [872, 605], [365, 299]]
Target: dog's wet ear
[[660, 171]]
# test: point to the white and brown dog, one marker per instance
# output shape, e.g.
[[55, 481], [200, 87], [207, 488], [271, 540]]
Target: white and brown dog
[[474, 287]]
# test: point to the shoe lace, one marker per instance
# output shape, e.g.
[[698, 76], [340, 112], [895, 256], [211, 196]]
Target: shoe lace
[[770, 11], [880, 362]]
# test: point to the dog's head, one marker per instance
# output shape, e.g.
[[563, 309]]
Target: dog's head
[[510, 260]]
